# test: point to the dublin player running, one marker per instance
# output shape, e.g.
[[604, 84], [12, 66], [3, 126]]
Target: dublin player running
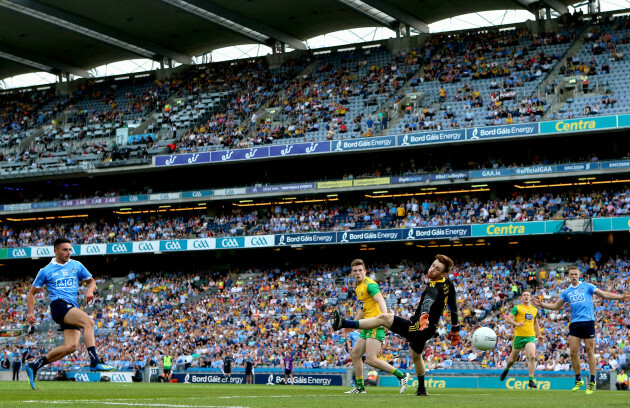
[[370, 341], [439, 293], [580, 296], [61, 276], [526, 330]]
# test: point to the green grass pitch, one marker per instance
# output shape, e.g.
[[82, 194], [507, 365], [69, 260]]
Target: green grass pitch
[[72, 394]]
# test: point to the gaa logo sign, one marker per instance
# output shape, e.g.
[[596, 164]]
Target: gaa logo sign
[[42, 252], [119, 377], [82, 377], [201, 244], [119, 248], [260, 241], [19, 253], [92, 249], [230, 243], [145, 246], [172, 246]]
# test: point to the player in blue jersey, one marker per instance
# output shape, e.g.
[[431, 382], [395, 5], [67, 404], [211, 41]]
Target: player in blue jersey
[[580, 296], [61, 277]]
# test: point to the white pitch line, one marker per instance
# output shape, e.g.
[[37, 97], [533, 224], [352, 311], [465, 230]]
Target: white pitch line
[[284, 396], [135, 404]]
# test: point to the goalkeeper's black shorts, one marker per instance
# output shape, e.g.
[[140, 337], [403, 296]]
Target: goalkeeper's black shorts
[[411, 331]]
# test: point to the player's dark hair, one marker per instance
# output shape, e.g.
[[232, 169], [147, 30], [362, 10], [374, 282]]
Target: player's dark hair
[[446, 261], [59, 241], [357, 262]]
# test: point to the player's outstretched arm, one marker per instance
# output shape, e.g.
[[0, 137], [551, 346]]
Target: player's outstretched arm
[[557, 305], [452, 306], [612, 296]]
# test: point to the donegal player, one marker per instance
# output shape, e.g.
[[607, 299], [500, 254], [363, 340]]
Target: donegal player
[[526, 330], [439, 293], [370, 341]]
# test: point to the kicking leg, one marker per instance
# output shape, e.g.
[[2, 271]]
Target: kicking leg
[[70, 344], [78, 318], [385, 319]]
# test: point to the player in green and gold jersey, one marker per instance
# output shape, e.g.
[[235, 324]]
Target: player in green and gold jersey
[[370, 341], [526, 330]]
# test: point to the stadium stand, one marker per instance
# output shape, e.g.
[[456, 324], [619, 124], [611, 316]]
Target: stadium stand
[[600, 69], [203, 313], [331, 95], [286, 218], [486, 78]]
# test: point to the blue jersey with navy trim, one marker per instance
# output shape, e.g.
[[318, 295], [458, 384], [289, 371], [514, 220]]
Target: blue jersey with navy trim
[[62, 280], [580, 298]]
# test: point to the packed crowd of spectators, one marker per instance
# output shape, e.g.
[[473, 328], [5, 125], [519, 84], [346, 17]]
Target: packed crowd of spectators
[[251, 85], [598, 204], [200, 317], [350, 92], [277, 219], [22, 111], [321, 100], [488, 70]]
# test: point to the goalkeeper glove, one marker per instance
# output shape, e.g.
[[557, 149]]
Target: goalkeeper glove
[[454, 336], [424, 321]]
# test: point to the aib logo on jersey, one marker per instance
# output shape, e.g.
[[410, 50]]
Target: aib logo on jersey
[[577, 298], [69, 282]]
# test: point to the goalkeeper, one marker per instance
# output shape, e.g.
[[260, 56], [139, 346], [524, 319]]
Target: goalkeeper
[[439, 293]]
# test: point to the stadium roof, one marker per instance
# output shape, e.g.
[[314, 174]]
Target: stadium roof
[[75, 36]]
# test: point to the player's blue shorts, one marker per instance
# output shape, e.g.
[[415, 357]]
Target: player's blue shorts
[[58, 310], [582, 330]]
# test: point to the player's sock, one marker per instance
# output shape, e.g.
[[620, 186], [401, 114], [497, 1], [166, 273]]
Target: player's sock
[[399, 374], [93, 356], [39, 363], [531, 378], [360, 383], [578, 377], [592, 378], [421, 381], [350, 324]]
